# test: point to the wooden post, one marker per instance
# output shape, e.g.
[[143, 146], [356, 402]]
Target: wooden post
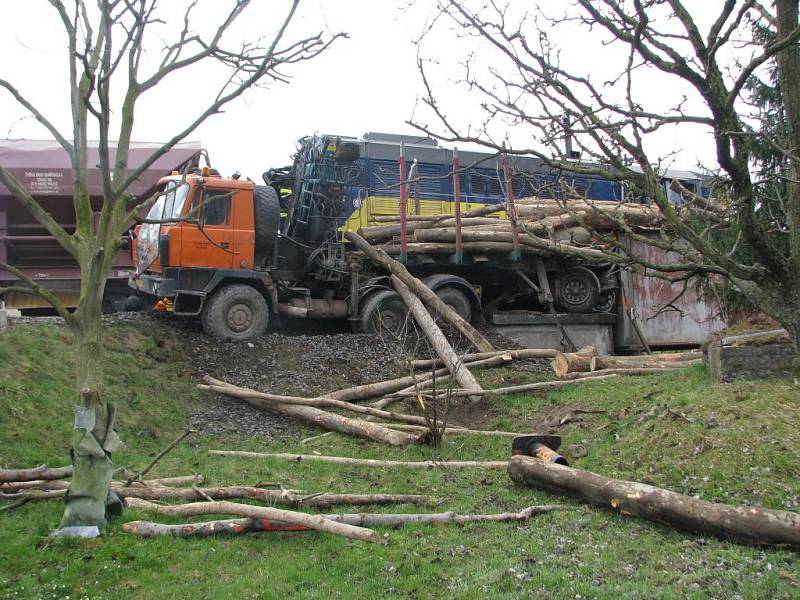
[[458, 257], [511, 209], [403, 204]]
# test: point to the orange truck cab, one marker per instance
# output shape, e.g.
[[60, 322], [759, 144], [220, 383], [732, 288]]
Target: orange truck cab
[[206, 235]]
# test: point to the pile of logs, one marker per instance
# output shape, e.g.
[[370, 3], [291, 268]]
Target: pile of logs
[[540, 224], [585, 363]]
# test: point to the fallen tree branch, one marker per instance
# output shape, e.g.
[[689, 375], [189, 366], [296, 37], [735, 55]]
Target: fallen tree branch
[[320, 500], [159, 456], [423, 291], [457, 430], [470, 358], [364, 462], [240, 526], [328, 420], [749, 524], [272, 514], [631, 371], [35, 473], [245, 393], [437, 339]]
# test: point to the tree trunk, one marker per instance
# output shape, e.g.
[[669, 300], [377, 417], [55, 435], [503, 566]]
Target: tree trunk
[[240, 526], [468, 358], [572, 362], [34, 474], [323, 500], [651, 360], [750, 524], [245, 393], [276, 514], [332, 421], [626, 371], [365, 462], [437, 339], [89, 499], [423, 291]]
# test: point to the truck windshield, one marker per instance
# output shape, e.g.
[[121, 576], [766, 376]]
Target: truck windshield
[[169, 205]]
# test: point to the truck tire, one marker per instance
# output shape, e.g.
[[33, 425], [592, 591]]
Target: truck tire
[[577, 290], [235, 312], [457, 300], [383, 311], [267, 214]]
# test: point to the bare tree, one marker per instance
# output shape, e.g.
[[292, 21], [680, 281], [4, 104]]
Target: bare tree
[[110, 72], [523, 84]]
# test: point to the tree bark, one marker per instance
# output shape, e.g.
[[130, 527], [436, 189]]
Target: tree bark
[[455, 429], [366, 462], [245, 393], [240, 526], [750, 524], [423, 291], [437, 339], [468, 358], [332, 421], [35, 473], [271, 496], [274, 514], [652, 360], [626, 371], [89, 500], [572, 362]]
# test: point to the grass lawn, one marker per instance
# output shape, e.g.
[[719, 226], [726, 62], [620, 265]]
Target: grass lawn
[[735, 443]]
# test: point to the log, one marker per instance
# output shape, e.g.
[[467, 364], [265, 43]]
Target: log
[[539, 386], [274, 514], [243, 393], [240, 526], [455, 429], [62, 485], [365, 462], [650, 360], [425, 380], [332, 421], [469, 358], [423, 291], [749, 524], [437, 339], [572, 362], [36, 473], [631, 370], [272, 496]]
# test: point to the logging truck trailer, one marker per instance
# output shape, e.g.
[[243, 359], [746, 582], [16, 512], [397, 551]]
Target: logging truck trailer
[[236, 254]]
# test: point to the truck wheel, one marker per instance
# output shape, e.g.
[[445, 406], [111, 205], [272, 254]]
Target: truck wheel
[[267, 210], [235, 312], [383, 311], [577, 290], [457, 300]]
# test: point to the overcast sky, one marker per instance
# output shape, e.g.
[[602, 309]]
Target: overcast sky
[[368, 82]]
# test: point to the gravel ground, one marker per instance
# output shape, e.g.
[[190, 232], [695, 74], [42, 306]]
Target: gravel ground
[[303, 358]]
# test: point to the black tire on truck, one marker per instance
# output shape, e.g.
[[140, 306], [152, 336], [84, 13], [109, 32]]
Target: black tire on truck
[[457, 300], [267, 214], [383, 311], [577, 290], [235, 312]]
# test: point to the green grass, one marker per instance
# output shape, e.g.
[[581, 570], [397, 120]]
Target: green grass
[[734, 443]]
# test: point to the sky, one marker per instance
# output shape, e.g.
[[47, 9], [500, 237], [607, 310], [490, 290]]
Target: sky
[[368, 82]]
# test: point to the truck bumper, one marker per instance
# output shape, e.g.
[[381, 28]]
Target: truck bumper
[[155, 285]]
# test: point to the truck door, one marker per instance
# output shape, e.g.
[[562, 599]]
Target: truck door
[[208, 243]]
